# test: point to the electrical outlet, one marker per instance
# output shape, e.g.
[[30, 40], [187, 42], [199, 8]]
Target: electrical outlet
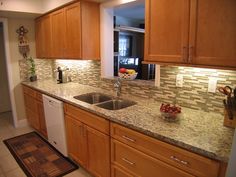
[[212, 84], [179, 80]]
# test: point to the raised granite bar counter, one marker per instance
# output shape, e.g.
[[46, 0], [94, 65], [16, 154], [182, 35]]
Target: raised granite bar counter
[[196, 131]]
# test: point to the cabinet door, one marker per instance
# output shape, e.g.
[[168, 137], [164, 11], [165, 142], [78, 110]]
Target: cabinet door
[[39, 37], [167, 31], [31, 111], [98, 153], [47, 37], [76, 140], [213, 32], [73, 31], [42, 122], [58, 33], [43, 37]]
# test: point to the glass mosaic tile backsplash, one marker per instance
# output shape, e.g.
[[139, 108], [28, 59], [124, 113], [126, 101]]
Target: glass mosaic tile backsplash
[[193, 94]]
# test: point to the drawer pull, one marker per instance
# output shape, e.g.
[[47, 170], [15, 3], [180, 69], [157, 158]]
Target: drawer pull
[[178, 160], [128, 138], [127, 161]]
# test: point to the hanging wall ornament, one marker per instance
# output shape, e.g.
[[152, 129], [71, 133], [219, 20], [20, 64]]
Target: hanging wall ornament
[[23, 42]]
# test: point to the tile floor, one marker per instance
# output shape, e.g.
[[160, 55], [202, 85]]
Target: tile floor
[[8, 165]]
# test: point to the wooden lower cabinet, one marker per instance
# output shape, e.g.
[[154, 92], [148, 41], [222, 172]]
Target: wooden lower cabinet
[[135, 152], [34, 110], [76, 141], [141, 164], [98, 152], [86, 145], [31, 111]]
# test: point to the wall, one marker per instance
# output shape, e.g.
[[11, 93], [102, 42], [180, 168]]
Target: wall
[[28, 6], [193, 94], [5, 103], [13, 25]]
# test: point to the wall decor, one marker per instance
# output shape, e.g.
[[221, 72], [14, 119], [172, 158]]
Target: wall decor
[[23, 41]]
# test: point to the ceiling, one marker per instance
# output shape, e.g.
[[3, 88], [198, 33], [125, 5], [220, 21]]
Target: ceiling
[[135, 11]]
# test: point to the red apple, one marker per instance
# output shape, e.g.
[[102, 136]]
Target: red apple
[[122, 70]]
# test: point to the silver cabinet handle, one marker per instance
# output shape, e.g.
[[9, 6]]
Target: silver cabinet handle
[[127, 161], [178, 160], [128, 138]]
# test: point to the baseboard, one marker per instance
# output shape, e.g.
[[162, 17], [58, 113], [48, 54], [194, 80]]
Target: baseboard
[[22, 123]]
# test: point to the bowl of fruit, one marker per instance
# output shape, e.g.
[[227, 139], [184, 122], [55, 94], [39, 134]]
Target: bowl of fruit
[[170, 112], [128, 74]]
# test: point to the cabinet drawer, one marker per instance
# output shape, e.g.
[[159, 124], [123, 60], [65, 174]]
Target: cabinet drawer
[[89, 119], [141, 164], [29, 91], [118, 172], [188, 161]]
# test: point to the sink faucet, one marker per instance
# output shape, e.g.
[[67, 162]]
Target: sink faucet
[[117, 87]]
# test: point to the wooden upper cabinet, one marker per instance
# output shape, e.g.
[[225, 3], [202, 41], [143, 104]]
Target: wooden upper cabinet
[[191, 32], [90, 23], [213, 32], [47, 36], [38, 38], [166, 36], [75, 32], [43, 37], [58, 33]]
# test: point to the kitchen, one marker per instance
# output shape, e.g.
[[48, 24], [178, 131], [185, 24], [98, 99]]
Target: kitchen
[[192, 96]]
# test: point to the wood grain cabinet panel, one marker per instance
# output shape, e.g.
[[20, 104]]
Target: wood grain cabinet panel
[[213, 32], [141, 164], [88, 146], [76, 141], [177, 157], [166, 23], [98, 152], [42, 121], [58, 33], [191, 32], [118, 172], [74, 32], [34, 110], [43, 37]]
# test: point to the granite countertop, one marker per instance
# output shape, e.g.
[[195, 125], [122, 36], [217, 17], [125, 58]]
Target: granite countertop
[[197, 131]]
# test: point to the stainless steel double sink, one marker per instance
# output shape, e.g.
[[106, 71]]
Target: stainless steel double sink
[[105, 101]]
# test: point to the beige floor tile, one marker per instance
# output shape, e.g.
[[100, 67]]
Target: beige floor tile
[[8, 163], [1, 173], [6, 135], [3, 150], [22, 130], [15, 173]]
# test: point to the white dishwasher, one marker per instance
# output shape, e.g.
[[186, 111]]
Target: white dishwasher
[[54, 116]]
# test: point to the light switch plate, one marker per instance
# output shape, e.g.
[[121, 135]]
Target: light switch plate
[[212, 84], [179, 80]]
